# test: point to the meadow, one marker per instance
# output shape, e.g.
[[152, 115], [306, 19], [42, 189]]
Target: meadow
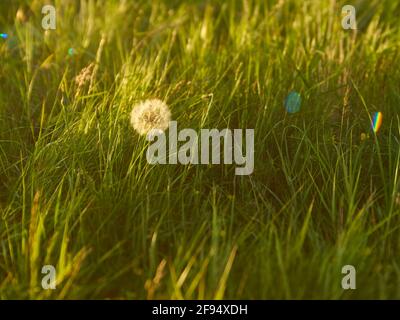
[[76, 191]]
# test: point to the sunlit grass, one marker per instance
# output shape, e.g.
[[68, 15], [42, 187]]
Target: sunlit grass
[[76, 191]]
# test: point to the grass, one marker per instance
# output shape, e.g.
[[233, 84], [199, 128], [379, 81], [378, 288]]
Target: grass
[[76, 191]]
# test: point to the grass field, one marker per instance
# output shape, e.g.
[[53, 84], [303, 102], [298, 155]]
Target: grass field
[[76, 191]]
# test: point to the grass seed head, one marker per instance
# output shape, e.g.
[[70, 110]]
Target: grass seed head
[[21, 16], [84, 76]]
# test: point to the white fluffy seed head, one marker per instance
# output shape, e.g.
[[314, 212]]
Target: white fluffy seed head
[[150, 114]]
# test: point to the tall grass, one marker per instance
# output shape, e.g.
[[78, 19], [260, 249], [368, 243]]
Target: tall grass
[[76, 191]]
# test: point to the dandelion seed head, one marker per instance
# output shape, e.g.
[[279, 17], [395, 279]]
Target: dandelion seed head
[[148, 115]]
